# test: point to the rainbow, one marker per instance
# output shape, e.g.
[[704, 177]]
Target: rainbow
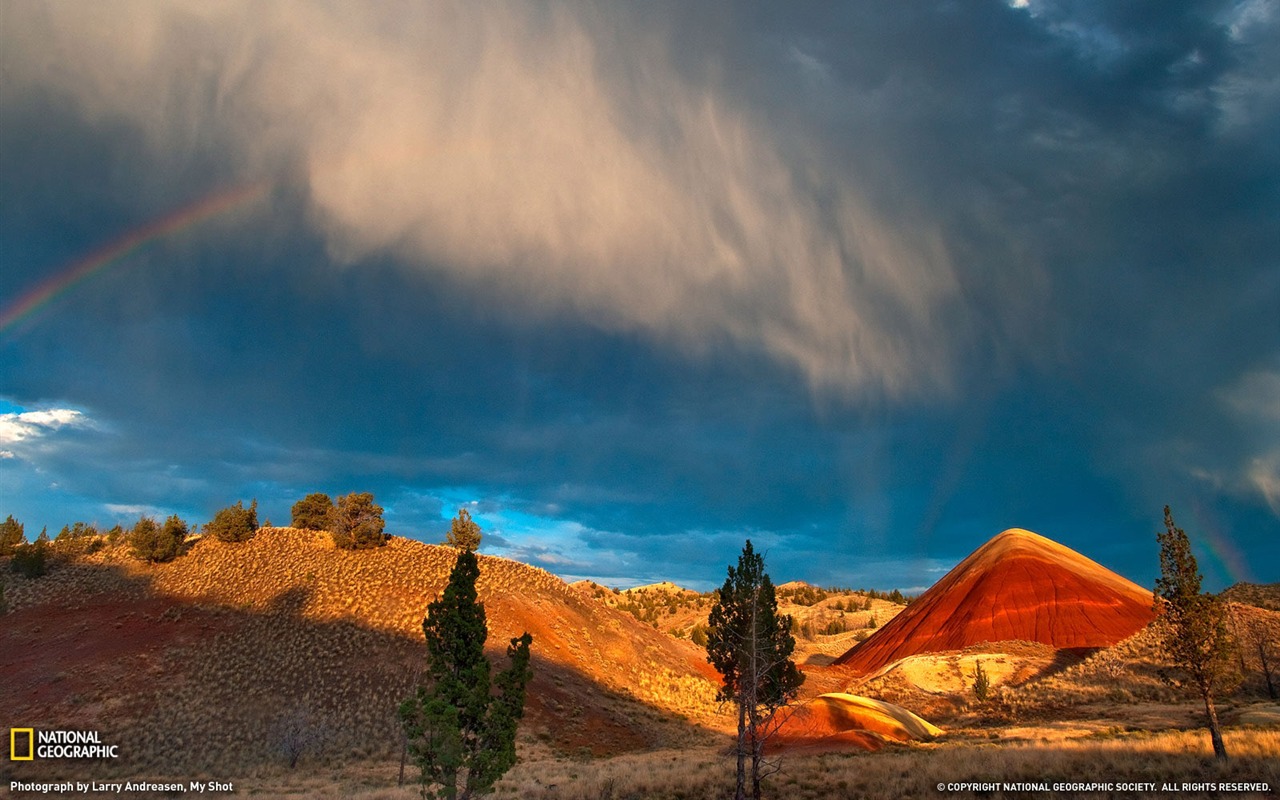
[[64, 279], [1223, 552]]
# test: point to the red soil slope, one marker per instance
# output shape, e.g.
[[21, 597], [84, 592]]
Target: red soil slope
[[1019, 585]]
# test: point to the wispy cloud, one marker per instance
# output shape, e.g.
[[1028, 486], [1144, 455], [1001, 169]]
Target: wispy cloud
[[1264, 474], [1255, 401], [1255, 396], [546, 154]]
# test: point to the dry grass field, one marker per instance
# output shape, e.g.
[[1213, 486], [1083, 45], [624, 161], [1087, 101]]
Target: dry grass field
[[901, 771]]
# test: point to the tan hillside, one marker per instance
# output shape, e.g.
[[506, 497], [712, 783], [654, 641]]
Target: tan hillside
[[210, 659], [826, 622], [1259, 595], [661, 587]]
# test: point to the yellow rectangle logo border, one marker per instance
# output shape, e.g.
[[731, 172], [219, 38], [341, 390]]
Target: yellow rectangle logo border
[[31, 744]]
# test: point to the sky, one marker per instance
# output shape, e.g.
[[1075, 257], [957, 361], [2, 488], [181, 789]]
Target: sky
[[866, 284]]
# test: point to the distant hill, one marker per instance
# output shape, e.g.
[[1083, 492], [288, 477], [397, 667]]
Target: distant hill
[[209, 660], [662, 587], [825, 621], [1017, 586], [1260, 595]]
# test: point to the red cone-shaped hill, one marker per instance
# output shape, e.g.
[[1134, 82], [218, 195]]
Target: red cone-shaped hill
[[1019, 585]]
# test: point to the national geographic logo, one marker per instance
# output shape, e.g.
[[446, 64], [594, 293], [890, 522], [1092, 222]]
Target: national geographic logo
[[22, 741], [28, 744]]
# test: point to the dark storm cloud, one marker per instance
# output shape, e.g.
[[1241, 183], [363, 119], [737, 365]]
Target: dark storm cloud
[[875, 280]]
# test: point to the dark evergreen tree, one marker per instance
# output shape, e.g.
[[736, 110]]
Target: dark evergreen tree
[[464, 533], [31, 560], [78, 539], [751, 646], [12, 534], [234, 523], [78, 530], [157, 543], [313, 512], [459, 732], [357, 522], [1194, 627]]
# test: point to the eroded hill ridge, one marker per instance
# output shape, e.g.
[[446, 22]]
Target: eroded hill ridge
[[231, 643], [1018, 586]]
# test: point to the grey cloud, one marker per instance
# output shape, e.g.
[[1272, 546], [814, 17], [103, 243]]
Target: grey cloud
[[498, 144], [1255, 401]]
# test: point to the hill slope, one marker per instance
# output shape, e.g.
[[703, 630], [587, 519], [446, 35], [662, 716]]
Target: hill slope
[[213, 659], [1019, 585], [1259, 595]]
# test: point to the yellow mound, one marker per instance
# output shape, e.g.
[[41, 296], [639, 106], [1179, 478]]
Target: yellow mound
[[952, 673], [829, 719]]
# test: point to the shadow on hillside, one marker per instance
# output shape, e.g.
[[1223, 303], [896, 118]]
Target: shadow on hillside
[[1063, 659], [819, 660], [193, 688]]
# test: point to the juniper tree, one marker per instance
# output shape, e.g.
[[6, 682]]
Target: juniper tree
[[153, 542], [30, 560], [12, 534], [1194, 629], [460, 733], [234, 523], [357, 522], [77, 530], [79, 538], [751, 646], [464, 533], [313, 512]]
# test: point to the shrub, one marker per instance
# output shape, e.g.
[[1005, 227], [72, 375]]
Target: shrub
[[29, 559], [77, 530], [313, 512], [357, 522], [234, 523], [12, 534], [464, 533], [78, 539], [156, 543], [834, 627], [981, 683]]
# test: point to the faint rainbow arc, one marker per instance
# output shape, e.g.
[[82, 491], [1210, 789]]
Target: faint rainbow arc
[[1222, 550], [67, 277]]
